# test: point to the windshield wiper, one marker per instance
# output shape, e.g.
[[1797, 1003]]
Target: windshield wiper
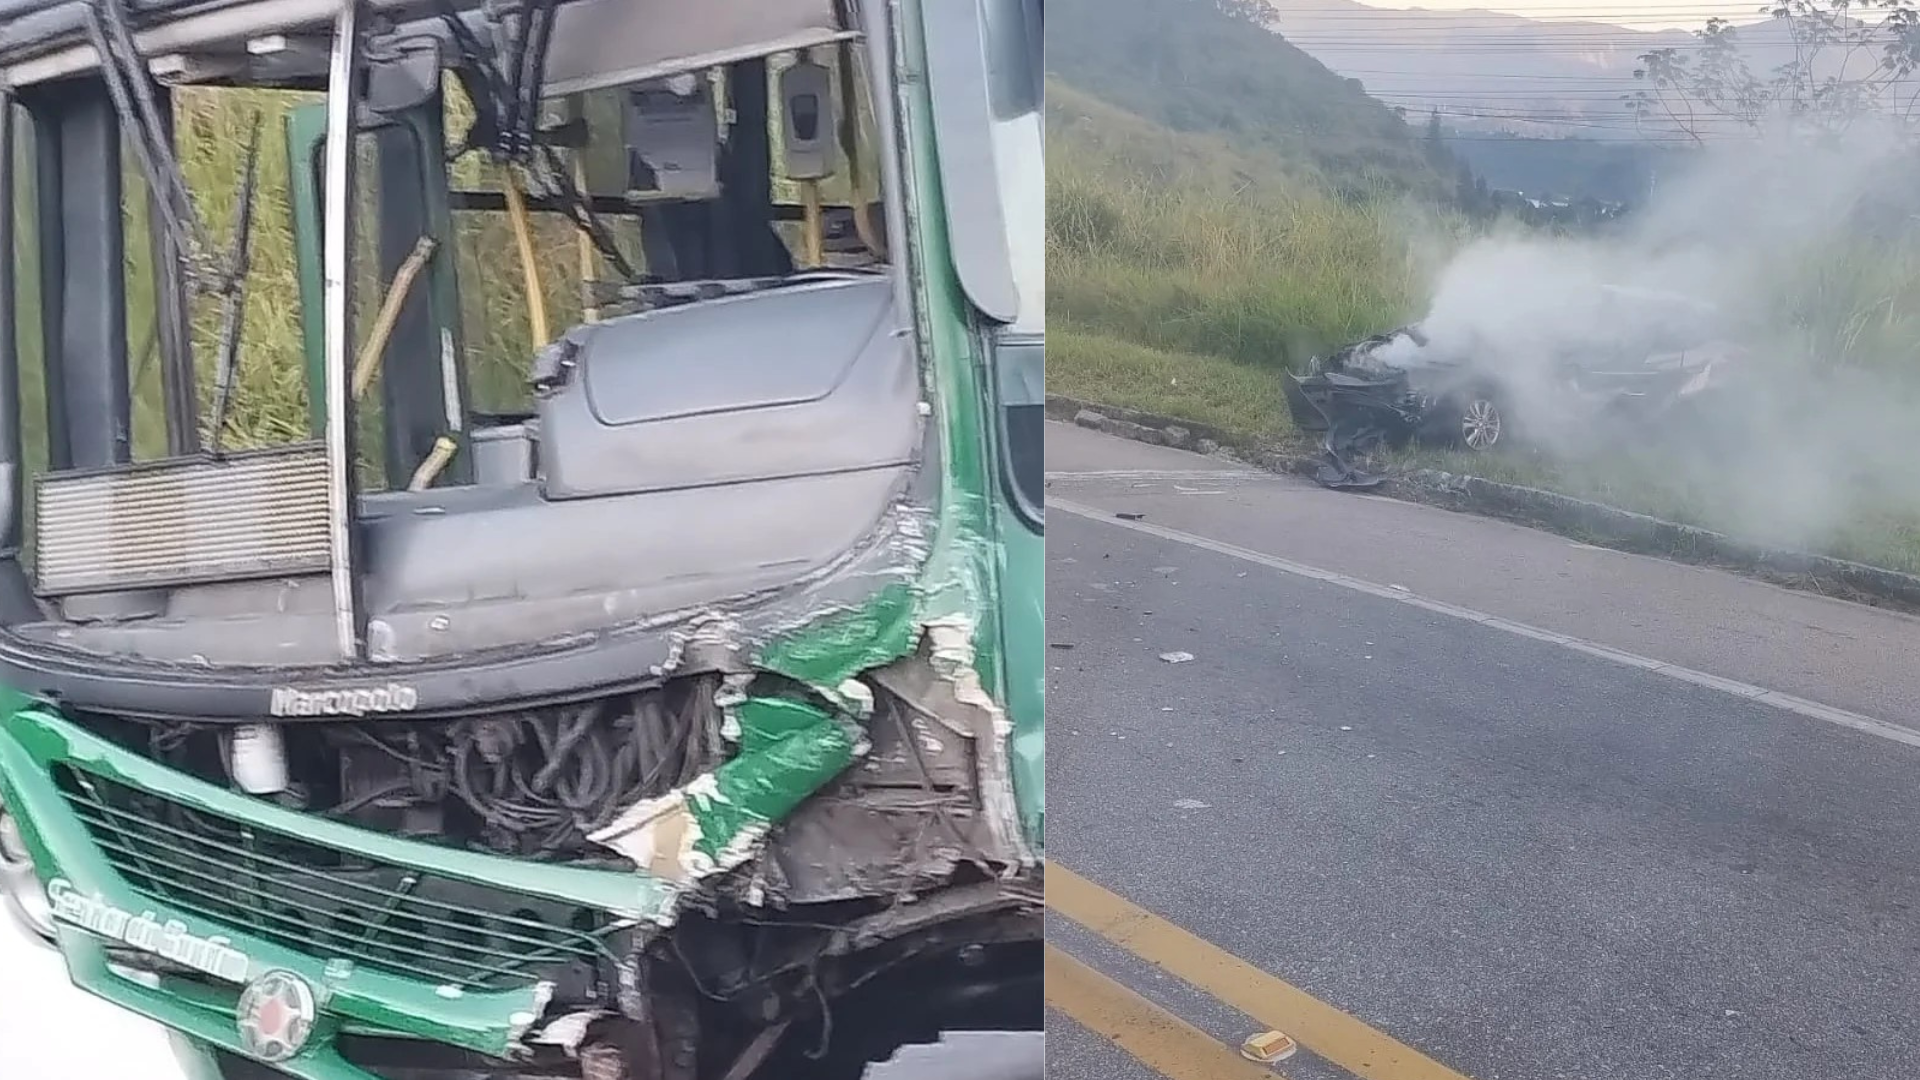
[[234, 302], [108, 27], [127, 84]]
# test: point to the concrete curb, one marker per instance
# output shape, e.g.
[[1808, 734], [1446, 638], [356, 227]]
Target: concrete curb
[[1564, 514], [1146, 427]]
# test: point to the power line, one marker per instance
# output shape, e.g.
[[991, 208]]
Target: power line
[[1529, 39], [1624, 79], [1534, 13], [1356, 8], [1609, 24], [1451, 96]]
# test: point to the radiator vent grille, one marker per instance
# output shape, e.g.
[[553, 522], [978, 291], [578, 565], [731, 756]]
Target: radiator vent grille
[[254, 514]]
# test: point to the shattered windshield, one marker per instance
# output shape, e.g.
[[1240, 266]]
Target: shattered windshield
[[616, 198], [617, 229]]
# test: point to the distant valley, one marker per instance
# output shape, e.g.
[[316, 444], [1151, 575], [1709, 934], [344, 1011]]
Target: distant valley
[[1487, 71]]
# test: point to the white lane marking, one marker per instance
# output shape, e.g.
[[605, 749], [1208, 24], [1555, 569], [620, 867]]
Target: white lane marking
[[1812, 709]]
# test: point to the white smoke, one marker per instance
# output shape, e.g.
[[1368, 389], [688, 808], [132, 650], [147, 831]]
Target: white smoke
[[1800, 251]]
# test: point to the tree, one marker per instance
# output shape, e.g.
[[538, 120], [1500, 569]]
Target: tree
[[1464, 192], [1436, 143], [1256, 12], [1849, 59]]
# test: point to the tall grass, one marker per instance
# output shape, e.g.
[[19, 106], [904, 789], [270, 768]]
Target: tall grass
[[1243, 399], [1850, 303], [1180, 243], [269, 404]]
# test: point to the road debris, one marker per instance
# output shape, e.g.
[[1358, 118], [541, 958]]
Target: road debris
[[1190, 804], [1129, 515], [1176, 657], [1269, 1047]]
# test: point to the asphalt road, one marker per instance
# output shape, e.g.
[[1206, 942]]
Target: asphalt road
[[1519, 807]]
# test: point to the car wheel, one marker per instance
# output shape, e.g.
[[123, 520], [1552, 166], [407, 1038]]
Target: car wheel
[[1481, 424]]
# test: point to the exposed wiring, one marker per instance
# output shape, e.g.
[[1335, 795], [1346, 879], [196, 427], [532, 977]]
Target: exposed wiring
[[506, 100], [573, 199], [820, 1049], [541, 781]]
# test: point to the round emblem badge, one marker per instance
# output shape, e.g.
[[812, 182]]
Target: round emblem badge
[[275, 1015]]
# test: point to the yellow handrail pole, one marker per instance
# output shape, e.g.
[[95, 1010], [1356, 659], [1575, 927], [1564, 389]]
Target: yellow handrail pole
[[523, 239]]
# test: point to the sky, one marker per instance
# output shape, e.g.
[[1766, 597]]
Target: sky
[[1643, 14]]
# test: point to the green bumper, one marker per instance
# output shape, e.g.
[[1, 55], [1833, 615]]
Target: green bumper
[[50, 770]]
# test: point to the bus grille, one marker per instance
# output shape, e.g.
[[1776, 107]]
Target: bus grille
[[330, 904]]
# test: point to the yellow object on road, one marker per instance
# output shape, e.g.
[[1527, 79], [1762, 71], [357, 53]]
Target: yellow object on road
[[1336, 1036], [1155, 1037], [1268, 1047]]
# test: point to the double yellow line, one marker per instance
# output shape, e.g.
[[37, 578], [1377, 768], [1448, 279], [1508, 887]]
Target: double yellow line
[[1176, 1049]]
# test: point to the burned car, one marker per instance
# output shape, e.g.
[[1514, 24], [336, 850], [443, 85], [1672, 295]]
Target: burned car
[[1636, 357]]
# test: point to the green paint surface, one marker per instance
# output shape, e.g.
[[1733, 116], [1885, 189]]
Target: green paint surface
[[833, 649], [788, 751], [997, 568]]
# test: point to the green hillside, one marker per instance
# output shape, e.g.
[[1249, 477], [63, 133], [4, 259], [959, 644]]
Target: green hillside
[[1219, 208], [1193, 68], [1184, 273]]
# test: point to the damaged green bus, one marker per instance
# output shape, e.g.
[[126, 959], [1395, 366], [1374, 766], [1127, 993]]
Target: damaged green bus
[[521, 529]]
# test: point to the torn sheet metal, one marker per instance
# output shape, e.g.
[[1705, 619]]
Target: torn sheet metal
[[950, 642], [522, 1020], [1357, 417], [568, 1031], [836, 647], [946, 686], [788, 750]]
